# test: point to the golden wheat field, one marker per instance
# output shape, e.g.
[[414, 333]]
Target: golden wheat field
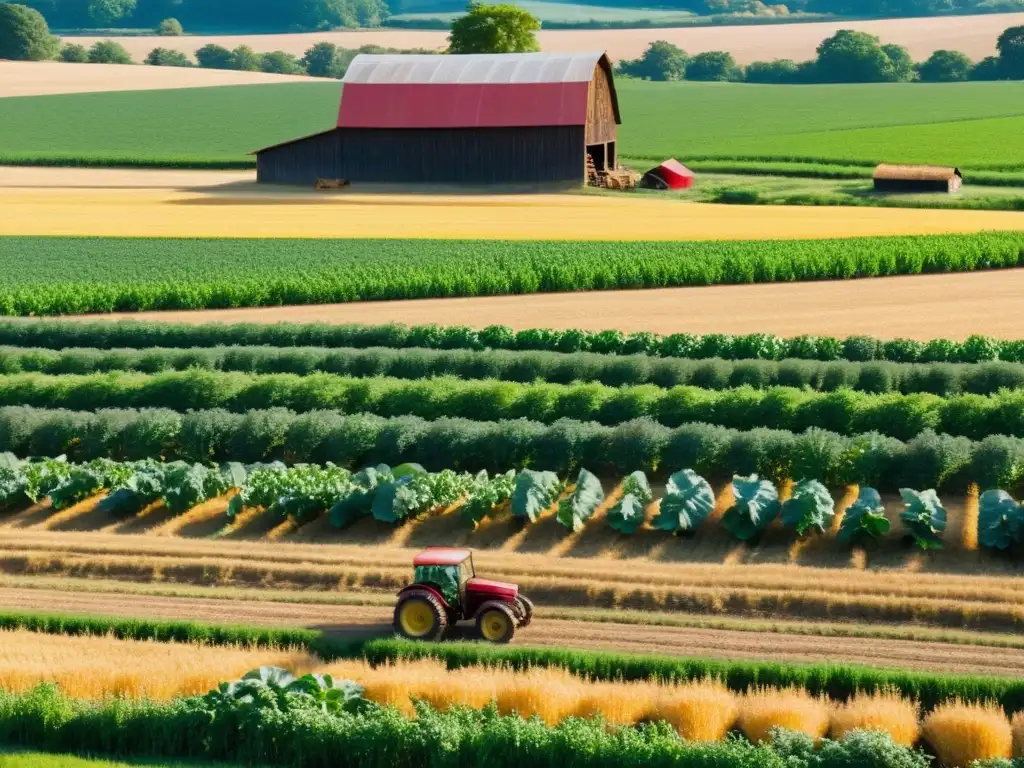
[[225, 213], [101, 667]]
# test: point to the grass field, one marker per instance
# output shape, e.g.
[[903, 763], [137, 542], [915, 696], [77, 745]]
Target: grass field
[[848, 124], [17, 759], [571, 12]]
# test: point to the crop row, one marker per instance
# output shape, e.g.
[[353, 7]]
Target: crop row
[[556, 367], [844, 411], [65, 275], [58, 334], [408, 492], [927, 461]]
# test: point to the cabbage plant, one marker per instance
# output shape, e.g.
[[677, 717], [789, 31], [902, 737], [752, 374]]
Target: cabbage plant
[[357, 502], [533, 493], [924, 517], [1000, 520], [579, 506], [487, 494], [809, 507], [687, 502], [414, 494], [863, 519], [755, 506], [629, 511]]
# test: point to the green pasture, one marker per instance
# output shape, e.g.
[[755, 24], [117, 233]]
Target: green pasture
[[45, 760], [974, 125]]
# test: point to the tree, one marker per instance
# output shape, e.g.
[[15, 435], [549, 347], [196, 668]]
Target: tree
[[780, 71], [245, 59], [24, 35], [1011, 53], [165, 57], [74, 54], [853, 57], [903, 69], [989, 68], [281, 63], [713, 66], [661, 61], [322, 60], [170, 28], [493, 29], [214, 57], [945, 67], [109, 52], [108, 12]]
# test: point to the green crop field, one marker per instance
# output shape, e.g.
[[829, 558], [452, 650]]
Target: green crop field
[[973, 125], [118, 274]]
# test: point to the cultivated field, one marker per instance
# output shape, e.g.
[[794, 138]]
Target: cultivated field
[[974, 35], [37, 78], [287, 214]]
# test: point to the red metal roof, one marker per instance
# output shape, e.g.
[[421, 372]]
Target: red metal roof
[[441, 556], [675, 174], [473, 91]]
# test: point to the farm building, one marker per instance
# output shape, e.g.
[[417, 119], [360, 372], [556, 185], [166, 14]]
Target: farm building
[[479, 119], [917, 178]]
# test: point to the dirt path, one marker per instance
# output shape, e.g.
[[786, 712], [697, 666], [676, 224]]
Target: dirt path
[[715, 643], [40, 78], [920, 307], [974, 35]]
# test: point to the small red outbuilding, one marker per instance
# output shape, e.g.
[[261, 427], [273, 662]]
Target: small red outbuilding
[[671, 174]]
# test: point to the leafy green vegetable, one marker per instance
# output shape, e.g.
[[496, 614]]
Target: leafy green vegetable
[[580, 505], [1000, 520], [687, 502], [533, 493], [756, 505], [486, 495], [629, 512], [924, 516], [810, 506], [358, 502], [865, 518], [82, 482]]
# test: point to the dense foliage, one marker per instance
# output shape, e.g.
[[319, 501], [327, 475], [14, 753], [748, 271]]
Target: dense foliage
[[929, 460], [108, 274], [196, 338], [844, 411], [494, 28], [24, 34]]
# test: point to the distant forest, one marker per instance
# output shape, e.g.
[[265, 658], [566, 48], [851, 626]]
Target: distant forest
[[310, 15]]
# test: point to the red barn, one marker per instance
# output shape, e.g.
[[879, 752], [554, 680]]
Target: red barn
[[527, 118]]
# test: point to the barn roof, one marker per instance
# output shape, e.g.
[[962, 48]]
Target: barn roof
[[915, 172], [470, 91]]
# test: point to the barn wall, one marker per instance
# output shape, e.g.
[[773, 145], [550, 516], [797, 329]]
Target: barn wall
[[913, 185], [535, 155], [600, 111]]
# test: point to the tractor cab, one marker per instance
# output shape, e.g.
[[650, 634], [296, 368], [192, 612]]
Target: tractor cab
[[446, 590]]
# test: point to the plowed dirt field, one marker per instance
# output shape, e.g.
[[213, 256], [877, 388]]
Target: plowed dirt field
[[371, 620]]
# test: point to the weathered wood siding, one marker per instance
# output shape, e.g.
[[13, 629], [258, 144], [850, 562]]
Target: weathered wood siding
[[600, 111], [537, 155]]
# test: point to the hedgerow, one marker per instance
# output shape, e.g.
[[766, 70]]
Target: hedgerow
[[66, 275], [530, 366], [930, 460], [844, 411], [60, 334]]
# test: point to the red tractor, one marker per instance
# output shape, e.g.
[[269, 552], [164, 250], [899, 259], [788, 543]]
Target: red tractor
[[446, 590]]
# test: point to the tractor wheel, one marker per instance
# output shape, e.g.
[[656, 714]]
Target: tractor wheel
[[495, 622], [420, 616], [525, 609]]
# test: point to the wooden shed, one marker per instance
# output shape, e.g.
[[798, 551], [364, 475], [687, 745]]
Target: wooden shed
[[917, 178], [480, 119]]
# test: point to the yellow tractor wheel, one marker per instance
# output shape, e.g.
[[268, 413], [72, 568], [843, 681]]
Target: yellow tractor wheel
[[420, 616], [495, 622]]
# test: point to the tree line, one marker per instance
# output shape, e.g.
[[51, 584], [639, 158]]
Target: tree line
[[846, 57]]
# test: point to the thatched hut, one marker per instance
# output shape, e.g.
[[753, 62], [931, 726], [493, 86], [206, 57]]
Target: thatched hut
[[917, 178]]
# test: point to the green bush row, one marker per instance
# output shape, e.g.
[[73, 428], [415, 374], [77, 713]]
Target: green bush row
[[928, 461], [297, 733], [60, 334], [844, 411], [528, 366], [66, 275]]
